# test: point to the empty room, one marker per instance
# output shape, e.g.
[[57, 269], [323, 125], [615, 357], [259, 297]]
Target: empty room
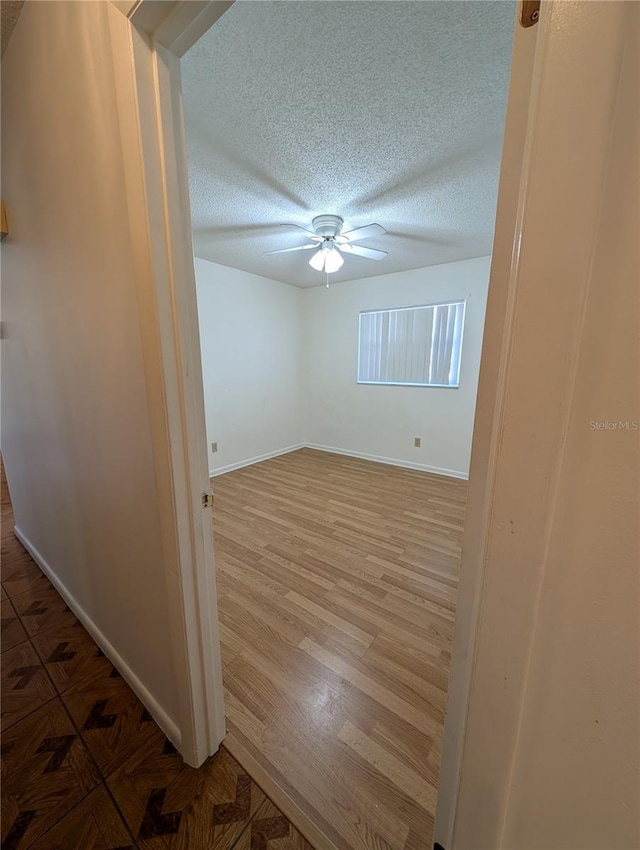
[[318, 473], [343, 174]]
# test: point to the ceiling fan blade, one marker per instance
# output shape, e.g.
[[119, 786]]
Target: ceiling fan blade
[[361, 251], [309, 233], [364, 232], [297, 248]]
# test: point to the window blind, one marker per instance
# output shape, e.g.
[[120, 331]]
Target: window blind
[[415, 346]]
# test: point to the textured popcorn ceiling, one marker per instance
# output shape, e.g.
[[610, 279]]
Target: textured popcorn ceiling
[[9, 14], [388, 112]]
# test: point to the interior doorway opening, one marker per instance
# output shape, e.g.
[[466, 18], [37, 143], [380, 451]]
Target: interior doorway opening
[[337, 560]]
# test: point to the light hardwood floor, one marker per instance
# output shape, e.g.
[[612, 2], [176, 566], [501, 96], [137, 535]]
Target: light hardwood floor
[[337, 586]]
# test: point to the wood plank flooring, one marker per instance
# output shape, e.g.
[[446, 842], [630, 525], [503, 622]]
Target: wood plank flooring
[[84, 766], [337, 584]]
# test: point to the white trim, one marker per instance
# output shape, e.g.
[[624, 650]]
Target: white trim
[[406, 464], [407, 384], [257, 459], [391, 461], [152, 130], [186, 398], [188, 22], [127, 7], [168, 726], [175, 25]]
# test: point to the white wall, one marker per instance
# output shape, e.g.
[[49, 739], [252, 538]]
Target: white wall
[[552, 739], [581, 710], [251, 341], [76, 429], [380, 421]]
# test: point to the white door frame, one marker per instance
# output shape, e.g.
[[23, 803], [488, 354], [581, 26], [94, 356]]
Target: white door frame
[[148, 88]]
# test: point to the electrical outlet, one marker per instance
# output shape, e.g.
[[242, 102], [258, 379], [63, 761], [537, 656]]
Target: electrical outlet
[[214, 447], [417, 442]]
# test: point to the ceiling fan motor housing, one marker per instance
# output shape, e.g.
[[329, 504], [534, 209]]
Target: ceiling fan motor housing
[[327, 225]]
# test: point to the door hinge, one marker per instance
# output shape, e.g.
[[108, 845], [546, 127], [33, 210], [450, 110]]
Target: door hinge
[[529, 12], [207, 499]]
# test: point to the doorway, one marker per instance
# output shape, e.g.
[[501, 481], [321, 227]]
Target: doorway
[[337, 573], [171, 81]]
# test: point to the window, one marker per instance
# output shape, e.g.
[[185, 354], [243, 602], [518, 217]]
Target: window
[[411, 346]]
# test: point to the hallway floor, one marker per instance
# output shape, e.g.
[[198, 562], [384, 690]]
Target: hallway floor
[[84, 766], [337, 582]]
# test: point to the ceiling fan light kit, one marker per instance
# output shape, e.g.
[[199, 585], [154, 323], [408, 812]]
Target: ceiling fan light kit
[[329, 241], [326, 259]]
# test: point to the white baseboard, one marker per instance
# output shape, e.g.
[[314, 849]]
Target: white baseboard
[[163, 720], [230, 467], [423, 467]]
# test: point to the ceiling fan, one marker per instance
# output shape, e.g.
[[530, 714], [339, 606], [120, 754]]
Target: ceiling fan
[[331, 243]]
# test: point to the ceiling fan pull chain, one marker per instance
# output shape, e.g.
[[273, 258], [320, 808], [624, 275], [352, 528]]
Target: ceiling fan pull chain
[[327, 274]]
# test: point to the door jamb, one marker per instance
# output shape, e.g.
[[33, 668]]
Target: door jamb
[[149, 96]]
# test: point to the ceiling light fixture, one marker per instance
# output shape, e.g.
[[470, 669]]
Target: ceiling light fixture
[[317, 261], [333, 261], [330, 242], [327, 258]]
